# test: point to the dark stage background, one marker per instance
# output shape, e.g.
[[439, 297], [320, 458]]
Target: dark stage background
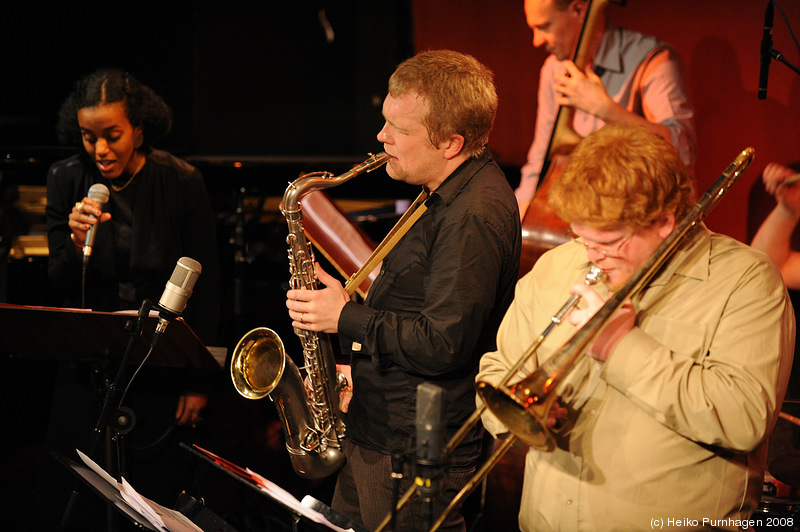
[[268, 80], [263, 91]]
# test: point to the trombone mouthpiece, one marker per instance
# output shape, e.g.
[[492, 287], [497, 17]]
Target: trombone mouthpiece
[[594, 275]]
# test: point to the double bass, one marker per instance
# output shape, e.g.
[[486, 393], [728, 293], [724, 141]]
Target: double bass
[[541, 228]]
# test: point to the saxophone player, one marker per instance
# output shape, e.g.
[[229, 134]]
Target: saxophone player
[[441, 293]]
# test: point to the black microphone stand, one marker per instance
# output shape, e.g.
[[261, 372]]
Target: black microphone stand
[[778, 56], [398, 462], [124, 418], [766, 44], [429, 485]]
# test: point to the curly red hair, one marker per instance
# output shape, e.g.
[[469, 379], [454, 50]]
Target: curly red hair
[[622, 175]]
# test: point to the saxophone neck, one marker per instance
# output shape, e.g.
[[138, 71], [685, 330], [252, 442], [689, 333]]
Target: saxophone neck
[[301, 186], [319, 180]]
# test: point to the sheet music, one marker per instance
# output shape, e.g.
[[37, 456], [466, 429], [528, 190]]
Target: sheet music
[[273, 490], [161, 518], [291, 501]]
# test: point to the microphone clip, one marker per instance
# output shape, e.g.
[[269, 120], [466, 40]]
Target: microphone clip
[[164, 317], [135, 327]]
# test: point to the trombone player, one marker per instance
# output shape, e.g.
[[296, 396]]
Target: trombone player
[[665, 421]]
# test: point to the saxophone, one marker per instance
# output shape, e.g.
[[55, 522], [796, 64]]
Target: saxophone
[[312, 422]]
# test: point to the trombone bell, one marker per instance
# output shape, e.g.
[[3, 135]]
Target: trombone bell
[[522, 408]]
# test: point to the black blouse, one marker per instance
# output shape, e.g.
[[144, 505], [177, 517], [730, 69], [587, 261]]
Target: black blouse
[[169, 217]]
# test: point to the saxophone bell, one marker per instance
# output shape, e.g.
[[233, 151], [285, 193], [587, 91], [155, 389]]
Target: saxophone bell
[[261, 368], [257, 363]]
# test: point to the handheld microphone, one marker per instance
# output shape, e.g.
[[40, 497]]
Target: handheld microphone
[[99, 193], [766, 51], [430, 438], [177, 291]]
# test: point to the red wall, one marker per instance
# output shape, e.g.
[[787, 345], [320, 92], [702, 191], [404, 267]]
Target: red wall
[[719, 40]]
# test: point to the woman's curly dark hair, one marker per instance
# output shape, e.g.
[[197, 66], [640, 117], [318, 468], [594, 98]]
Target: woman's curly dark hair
[[144, 107]]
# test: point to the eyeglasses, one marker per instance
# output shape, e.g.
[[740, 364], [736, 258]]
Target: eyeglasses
[[608, 252]]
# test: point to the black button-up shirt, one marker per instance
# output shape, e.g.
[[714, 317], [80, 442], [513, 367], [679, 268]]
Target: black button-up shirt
[[434, 310]]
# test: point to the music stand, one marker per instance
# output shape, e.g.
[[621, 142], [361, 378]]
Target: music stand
[[47, 333], [104, 490], [173, 519], [305, 515]]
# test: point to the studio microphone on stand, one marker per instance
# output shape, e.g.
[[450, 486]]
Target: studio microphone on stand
[[176, 292], [766, 51], [173, 301], [99, 193], [430, 444]]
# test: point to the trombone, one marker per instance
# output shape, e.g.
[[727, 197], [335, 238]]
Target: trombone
[[593, 276], [523, 408]]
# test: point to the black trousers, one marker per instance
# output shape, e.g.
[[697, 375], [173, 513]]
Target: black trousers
[[365, 492]]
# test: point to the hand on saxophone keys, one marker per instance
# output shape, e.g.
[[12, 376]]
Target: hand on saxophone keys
[[317, 310], [621, 323], [344, 386]]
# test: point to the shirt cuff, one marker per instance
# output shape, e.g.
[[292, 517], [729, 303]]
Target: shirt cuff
[[353, 322]]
